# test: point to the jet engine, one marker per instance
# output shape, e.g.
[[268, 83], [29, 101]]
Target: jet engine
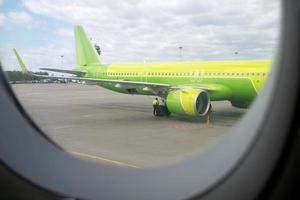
[[190, 102]]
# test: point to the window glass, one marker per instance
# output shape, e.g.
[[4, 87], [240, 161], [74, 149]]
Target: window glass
[[114, 121]]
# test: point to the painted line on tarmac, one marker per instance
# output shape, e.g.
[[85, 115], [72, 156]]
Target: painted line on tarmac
[[103, 159]]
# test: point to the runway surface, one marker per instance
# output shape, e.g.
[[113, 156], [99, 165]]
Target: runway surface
[[120, 129]]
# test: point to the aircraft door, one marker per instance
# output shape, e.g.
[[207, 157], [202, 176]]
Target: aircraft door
[[144, 78], [196, 76]]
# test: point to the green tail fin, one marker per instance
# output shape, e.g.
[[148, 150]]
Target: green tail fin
[[85, 51], [20, 61]]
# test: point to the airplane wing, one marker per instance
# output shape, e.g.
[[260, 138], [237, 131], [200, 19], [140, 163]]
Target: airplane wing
[[118, 83], [147, 85], [206, 87], [78, 73], [25, 70]]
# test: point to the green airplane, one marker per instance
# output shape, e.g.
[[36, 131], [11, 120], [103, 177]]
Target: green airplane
[[187, 88]]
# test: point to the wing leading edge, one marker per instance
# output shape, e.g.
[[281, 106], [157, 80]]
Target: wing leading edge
[[118, 83], [77, 73], [146, 85]]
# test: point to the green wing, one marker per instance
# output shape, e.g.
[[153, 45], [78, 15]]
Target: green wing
[[20, 61]]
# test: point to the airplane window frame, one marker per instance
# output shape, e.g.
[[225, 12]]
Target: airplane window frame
[[223, 168]]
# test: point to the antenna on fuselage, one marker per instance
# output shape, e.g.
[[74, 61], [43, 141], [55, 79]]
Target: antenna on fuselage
[[180, 52]]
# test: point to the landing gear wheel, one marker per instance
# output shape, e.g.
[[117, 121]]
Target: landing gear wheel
[[161, 111], [167, 113]]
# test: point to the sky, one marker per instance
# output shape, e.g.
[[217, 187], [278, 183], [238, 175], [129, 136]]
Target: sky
[[132, 31]]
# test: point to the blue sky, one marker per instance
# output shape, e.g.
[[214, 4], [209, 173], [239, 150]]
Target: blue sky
[[138, 31]]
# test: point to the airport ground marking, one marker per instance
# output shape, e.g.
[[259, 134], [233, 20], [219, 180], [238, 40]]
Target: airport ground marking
[[103, 159]]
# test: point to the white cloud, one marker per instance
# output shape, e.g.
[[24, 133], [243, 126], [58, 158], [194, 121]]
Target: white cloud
[[64, 32], [19, 17], [133, 30], [2, 19], [15, 17]]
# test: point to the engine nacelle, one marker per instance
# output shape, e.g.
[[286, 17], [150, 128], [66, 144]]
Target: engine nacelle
[[191, 102]]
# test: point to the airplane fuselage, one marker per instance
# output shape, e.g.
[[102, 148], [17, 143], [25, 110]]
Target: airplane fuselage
[[236, 81]]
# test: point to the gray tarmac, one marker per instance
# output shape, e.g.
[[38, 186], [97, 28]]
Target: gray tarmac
[[120, 129]]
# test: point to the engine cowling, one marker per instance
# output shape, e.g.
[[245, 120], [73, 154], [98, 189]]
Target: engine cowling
[[191, 102]]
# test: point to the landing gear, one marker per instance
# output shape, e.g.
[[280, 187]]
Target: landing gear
[[160, 111]]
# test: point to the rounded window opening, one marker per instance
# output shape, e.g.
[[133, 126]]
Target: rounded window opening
[[137, 89]]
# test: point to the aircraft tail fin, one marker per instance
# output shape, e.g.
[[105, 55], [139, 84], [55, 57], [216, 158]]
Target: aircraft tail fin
[[20, 61], [85, 51]]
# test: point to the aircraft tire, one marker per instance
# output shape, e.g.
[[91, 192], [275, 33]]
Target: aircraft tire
[[162, 111]]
